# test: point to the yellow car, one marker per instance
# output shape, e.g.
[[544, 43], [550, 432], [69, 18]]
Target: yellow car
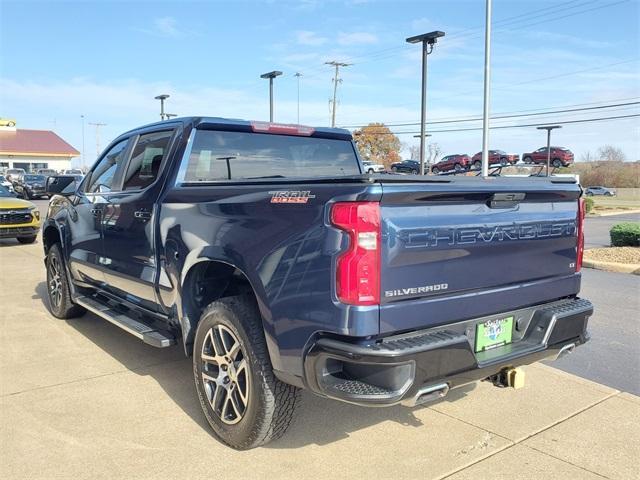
[[18, 218]]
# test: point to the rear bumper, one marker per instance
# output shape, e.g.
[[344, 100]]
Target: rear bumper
[[425, 365]]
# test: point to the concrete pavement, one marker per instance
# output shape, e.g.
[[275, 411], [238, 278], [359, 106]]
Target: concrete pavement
[[83, 399]]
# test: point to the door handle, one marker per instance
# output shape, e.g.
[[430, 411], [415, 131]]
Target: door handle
[[142, 214], [95, 211]]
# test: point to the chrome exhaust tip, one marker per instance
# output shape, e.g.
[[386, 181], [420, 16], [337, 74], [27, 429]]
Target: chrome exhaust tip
[[566, 350], [427, 394]]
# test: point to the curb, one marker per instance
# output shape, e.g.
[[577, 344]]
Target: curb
[[633, 268], [612, 214]]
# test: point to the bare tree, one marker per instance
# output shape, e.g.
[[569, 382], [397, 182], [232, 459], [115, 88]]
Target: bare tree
[[587, 157], [414, 152], [433, 152], [609, 153]]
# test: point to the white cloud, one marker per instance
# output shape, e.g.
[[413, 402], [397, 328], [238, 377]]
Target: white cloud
[[357, 38], [306, 37], [164, 27]]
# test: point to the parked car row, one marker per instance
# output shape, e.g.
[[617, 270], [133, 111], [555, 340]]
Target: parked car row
[[29, 185], [460, 162]]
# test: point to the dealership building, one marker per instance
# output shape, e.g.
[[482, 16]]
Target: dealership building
[[34, 149]]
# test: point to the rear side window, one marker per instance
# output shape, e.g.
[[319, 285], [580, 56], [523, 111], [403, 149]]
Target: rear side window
[[146, 159], [218, 155]]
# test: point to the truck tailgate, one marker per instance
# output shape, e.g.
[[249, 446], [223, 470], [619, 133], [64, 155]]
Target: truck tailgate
[[474, 247]]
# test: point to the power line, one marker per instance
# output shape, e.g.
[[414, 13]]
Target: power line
[[498, 127], [497, 117]]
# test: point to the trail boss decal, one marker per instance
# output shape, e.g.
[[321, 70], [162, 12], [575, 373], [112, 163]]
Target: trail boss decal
[[291, 196]]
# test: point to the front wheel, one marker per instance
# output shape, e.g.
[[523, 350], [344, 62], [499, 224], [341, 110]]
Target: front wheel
[[477, 164], [370, 171], [457, 167], [557, 163], [243, 401], [435, 170], [58, 291]]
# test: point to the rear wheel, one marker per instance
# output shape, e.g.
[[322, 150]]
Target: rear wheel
[[243, 401], [528, 160], [457, 167], [371, 170], [477, 164], [58, 291], [414, 172], [394, 169], [27, 240]]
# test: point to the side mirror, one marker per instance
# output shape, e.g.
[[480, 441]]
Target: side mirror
[[61, 185]]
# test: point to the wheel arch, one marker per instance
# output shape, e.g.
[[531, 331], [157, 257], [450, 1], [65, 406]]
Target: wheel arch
[[206, 280]]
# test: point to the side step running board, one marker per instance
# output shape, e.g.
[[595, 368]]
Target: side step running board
[[144, 332]]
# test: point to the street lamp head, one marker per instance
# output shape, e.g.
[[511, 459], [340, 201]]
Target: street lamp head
[[549, 127], [418, 136], [273, 74], [430, 38], [164, 96]]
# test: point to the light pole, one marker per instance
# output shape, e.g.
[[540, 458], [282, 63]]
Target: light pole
[[298, 75], [487, 91], [426, 136], [271, 76], [428, 40], [162, 98], [83, 157], [548, 128]]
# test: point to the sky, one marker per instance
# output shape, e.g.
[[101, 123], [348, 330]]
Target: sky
[[107, 61]]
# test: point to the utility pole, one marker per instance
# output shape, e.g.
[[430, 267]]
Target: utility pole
[[97, 125], [428, 40], [271, 76], [83, 154], [336, 80], [548, 129], [487, 91], [298, 75]]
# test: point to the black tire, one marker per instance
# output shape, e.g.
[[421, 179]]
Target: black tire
[[370, 171], [477, 165], [556, 162], [458, 168], [503, 161], [414, 172], [394, 169], [435, 170], [527, 160], [60, 304], [270, 403], [26, 240]]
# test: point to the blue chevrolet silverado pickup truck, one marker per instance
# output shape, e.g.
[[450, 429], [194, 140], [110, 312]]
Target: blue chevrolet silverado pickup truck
[[279, 264]]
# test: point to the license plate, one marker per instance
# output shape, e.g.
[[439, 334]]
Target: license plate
[[493, 333]]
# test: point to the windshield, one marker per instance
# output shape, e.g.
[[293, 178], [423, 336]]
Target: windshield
[[34, 178], [219, 155], [4, 192]]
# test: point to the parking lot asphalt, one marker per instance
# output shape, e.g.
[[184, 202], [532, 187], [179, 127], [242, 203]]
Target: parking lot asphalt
[[83, 399]]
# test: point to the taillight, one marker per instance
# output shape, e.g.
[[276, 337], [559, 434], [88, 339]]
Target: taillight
[[358, 268], [281, 128], [580, 244]]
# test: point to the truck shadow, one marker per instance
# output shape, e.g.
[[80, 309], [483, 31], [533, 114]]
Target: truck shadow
[[318, 421]]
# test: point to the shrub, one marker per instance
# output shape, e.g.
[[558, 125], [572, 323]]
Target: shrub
[[625, 234], [588, 204]]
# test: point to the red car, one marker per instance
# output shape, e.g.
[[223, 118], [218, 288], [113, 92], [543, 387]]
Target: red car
[[496, 157], [458, 162], [560, 157]]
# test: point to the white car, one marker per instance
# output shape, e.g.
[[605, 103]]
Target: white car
[[72, 171], [370, 167], [6, 183]]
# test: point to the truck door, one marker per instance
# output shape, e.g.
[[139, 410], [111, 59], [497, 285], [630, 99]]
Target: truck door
[[128, 224], [86, 253]]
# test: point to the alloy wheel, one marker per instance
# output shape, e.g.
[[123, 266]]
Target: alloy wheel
[[55, 281], [225, 374]]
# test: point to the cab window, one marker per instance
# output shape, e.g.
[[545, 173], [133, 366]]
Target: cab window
[[102, 176]]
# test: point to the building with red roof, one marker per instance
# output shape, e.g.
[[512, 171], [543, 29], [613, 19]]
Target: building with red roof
[[34, 149]]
